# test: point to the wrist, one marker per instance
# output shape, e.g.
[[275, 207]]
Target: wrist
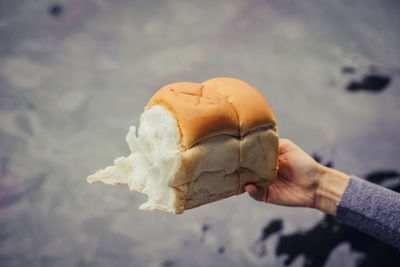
[[330, 189]]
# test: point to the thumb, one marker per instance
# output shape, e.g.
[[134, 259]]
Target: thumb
[[256, 192]]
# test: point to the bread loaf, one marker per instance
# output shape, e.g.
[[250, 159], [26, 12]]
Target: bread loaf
[[198, 143]]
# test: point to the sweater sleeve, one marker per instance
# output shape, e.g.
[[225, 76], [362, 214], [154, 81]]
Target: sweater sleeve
[[372, 209]]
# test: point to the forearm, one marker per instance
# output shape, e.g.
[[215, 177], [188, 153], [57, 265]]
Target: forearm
[[331, 186], [372, 209]]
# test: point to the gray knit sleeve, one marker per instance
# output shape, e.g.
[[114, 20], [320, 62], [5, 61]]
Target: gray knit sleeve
[[372, 209]]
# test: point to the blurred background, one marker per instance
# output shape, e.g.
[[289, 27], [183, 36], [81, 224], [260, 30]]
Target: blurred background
[[74, 75]]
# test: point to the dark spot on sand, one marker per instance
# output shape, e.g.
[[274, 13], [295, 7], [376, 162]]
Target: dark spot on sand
[[55, 10], [348, 70], [205, 228], [316, 157], [167, 263], [382, 175], [273, 227], [259, 247], [329, 164], [371, 83]]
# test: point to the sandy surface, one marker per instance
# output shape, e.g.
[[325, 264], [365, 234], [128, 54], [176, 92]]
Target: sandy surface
[[74, 75]]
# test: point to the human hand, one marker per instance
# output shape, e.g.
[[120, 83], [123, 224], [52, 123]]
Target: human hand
[[301, 181]]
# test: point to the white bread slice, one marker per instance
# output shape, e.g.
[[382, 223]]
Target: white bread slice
[[198, 143]]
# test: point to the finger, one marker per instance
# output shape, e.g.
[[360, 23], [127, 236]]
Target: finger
[[258, 193]]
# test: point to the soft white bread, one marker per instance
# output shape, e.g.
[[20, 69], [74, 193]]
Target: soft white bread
[[198, 143]]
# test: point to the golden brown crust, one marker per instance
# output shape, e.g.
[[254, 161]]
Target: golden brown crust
[[199, 110], [250, 106], [217, 106]]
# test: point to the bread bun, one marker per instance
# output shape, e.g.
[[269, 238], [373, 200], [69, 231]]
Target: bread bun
[[217, 106], [198, 143]]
